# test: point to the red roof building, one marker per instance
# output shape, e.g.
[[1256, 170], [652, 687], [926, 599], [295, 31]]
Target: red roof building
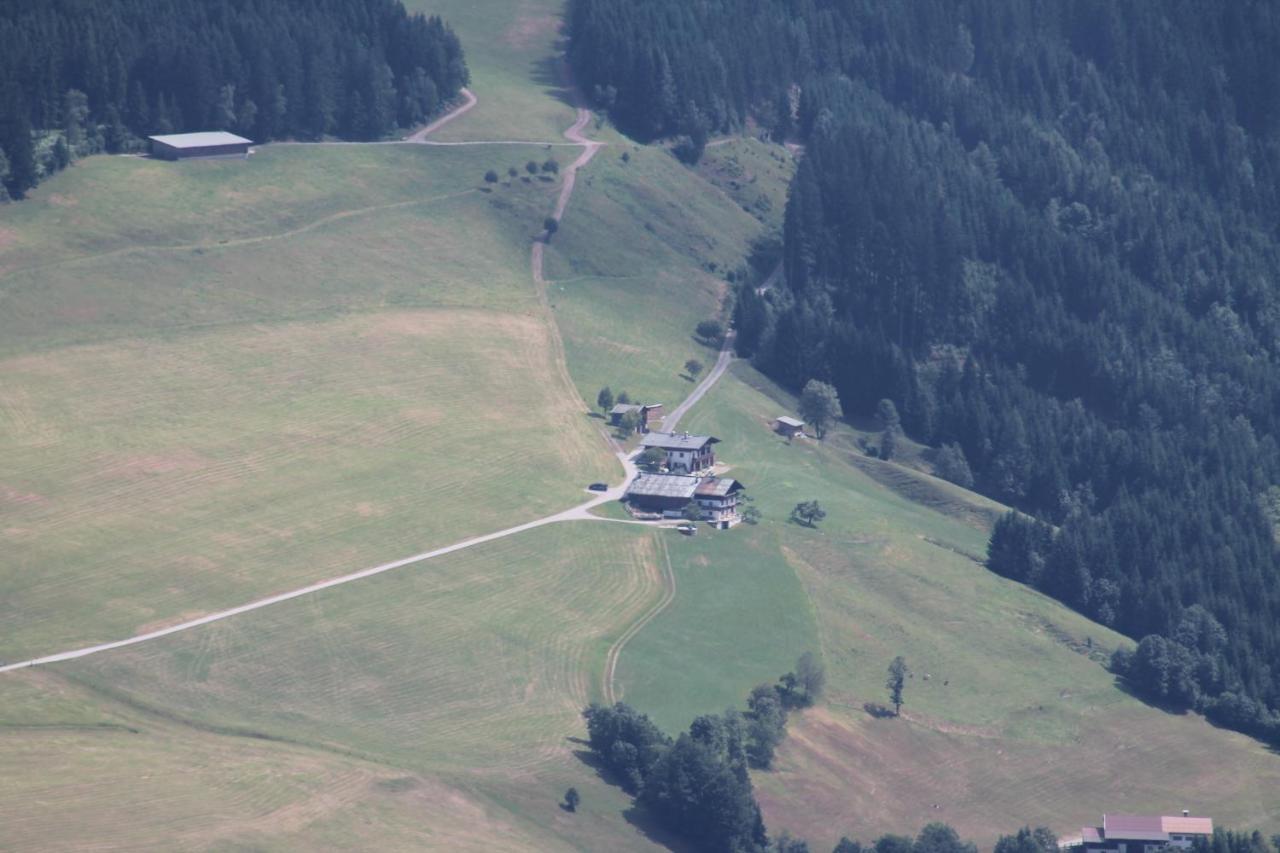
[[1126, 833]]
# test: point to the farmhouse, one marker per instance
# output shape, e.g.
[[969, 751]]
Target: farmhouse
[[1139, 833], [647, 412], [668, 495], [717, 497], [686, 454], [213, 143], [788, 426]]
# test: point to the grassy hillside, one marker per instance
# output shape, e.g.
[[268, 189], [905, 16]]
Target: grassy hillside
[[262, 407], [511, 48], [639, 259], [225, 379], [1017, 722]]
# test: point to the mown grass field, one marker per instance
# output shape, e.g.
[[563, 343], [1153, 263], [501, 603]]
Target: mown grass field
[[224, 379], [185, 426], [428, 709]]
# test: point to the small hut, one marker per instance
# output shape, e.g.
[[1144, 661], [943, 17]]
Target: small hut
[[790, 427]]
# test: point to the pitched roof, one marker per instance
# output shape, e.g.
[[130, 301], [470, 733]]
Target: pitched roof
[[623, 408], [681, 441], [789, 421], [663, 486], [1090, 835], [1133, 827], [718, 487], [1187, 825], [200, 140]]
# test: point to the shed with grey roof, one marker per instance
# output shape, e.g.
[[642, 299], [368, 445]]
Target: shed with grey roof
[[789, 426], [211, 143]]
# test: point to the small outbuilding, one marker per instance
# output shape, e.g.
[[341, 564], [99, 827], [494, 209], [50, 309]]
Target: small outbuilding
[[212, 143], [646, 413], [789, 426]]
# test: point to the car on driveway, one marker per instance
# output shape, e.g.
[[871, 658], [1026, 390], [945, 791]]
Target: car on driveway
[[598, 487]]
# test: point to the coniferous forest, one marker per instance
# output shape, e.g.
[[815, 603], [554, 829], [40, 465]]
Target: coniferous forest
[[81, 76], [1048, 232]]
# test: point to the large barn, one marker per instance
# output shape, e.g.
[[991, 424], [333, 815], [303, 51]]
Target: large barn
[[212, 143]]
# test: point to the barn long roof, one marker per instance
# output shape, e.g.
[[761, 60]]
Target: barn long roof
[[663, 486], [202, 139]]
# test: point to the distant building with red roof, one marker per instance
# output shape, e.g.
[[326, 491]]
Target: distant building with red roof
[[1126, 833]]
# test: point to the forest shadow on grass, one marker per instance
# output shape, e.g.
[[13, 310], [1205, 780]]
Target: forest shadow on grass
[[546, 73], [638, 817]]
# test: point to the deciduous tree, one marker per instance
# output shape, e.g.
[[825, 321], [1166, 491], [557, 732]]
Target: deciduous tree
[[896, 681], [820, 406]]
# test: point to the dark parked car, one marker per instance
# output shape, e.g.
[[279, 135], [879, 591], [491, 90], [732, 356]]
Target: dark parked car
[[598, 487]]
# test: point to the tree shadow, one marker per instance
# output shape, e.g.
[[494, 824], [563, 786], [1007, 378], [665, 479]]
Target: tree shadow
[[638, 817], [880, 712], [546, 72]]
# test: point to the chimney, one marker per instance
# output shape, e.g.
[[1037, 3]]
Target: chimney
[[1186, 813]]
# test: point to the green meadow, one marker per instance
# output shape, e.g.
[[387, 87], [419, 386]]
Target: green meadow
[[220, 380]]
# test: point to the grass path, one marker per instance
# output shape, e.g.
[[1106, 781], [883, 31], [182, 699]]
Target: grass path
[[615, 651]]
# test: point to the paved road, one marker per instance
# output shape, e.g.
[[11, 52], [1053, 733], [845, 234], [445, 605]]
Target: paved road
[[671, 421]]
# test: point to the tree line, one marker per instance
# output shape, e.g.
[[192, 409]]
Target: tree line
[[1048, 234], [698, 785], [99, 76]]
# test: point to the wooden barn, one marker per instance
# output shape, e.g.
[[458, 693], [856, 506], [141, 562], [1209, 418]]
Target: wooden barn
[[789, 426], [648, 414], [212, 143]]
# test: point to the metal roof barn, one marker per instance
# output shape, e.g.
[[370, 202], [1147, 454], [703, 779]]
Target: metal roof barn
[[663, 486], [212, 143]]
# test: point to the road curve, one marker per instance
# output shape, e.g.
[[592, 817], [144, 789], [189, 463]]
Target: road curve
[[671, 421], [421, 135]]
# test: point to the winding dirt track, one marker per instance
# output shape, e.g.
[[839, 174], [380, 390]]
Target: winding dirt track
[[578, 513], [668, 596]]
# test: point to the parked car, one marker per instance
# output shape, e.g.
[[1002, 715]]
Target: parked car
[[687, 529], [598, 487]]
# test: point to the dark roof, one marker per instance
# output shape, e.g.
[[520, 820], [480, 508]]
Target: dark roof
[[200, 140], [681, 441], [663, 486], [718, 487]]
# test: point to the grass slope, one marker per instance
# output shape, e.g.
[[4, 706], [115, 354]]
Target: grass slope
[[1018, 720], [463, 677], [636, 263], [240, 384], [113, 776], [511, 48]]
